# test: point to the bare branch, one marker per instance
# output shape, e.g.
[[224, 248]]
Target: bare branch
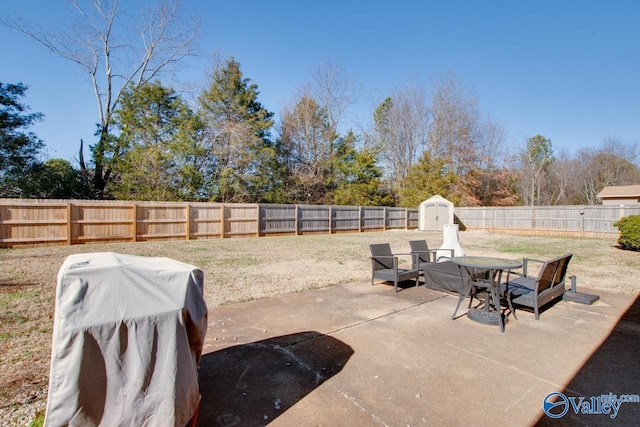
[[100, 41], [335, 90]]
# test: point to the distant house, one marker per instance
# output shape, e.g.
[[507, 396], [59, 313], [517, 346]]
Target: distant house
[[620, 195]]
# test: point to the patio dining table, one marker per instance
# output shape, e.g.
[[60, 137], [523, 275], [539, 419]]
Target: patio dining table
[[491, 284]]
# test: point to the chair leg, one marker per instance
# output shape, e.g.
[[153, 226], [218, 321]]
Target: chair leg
[[395, 284], [535, 309]]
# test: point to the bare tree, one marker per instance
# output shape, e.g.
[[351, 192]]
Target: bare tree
[[455, 133], [117, 51], [491, 144], [613, 163], [335, 90], [305, 143], [470, 143], [535, 160], [494, 180], [401, 129], [562, 183]]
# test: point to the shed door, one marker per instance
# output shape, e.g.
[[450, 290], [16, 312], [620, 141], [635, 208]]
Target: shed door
[[435, 215]]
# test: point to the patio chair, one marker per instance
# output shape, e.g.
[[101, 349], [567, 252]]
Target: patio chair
[[535, 291], [420, 253], [421, 248], [384, 266], [422, 256]]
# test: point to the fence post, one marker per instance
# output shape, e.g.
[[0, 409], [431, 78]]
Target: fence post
[[384, 219], [330, 219], [533, 219], [134, 222], [484, 219], [406, 218], [187, 227], [260, 233], [69, 222], [296, 223], [222, 221], [257, 220], [360, 219]]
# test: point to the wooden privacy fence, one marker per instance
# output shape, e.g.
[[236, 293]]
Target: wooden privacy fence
[[36, 222], [568, 221]]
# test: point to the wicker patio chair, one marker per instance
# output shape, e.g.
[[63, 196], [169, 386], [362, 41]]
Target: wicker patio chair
[[535, 291], [420, 253], [384, 266]]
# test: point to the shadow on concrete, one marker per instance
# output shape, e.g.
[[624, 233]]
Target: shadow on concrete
[[457, 220], [252, 384], [402, 285], [613, 368]]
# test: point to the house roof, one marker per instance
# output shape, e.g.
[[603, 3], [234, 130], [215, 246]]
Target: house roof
[[620, 191]]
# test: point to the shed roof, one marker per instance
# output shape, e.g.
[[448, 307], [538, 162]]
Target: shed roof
[[620, 191]]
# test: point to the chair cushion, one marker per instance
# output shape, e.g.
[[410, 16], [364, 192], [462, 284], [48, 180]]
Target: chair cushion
[[522, 292], [390, 274], [521, 286]]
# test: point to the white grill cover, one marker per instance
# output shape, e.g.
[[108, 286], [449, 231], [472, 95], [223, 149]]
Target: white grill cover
[[127, 339]]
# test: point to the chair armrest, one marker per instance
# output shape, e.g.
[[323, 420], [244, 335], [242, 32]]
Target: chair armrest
[[428, 251], [515, 273], [417, 254], [394, 258], [525, 264]]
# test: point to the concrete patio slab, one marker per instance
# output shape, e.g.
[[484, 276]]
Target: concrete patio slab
[[362, 355]]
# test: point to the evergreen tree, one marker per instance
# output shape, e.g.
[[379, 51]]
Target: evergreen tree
[[427, 178], [19, 148], [236, 132], [55, 179], [358, 176], [150, 119], [194, 160]]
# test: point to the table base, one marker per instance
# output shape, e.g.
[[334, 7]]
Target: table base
[[485, 317]]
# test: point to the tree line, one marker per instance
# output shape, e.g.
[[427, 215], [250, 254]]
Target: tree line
[[225, 146]]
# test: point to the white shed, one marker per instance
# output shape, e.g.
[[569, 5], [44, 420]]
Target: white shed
[[434, 213]]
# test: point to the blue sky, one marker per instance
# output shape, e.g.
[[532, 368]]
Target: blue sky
[[569, 70]]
